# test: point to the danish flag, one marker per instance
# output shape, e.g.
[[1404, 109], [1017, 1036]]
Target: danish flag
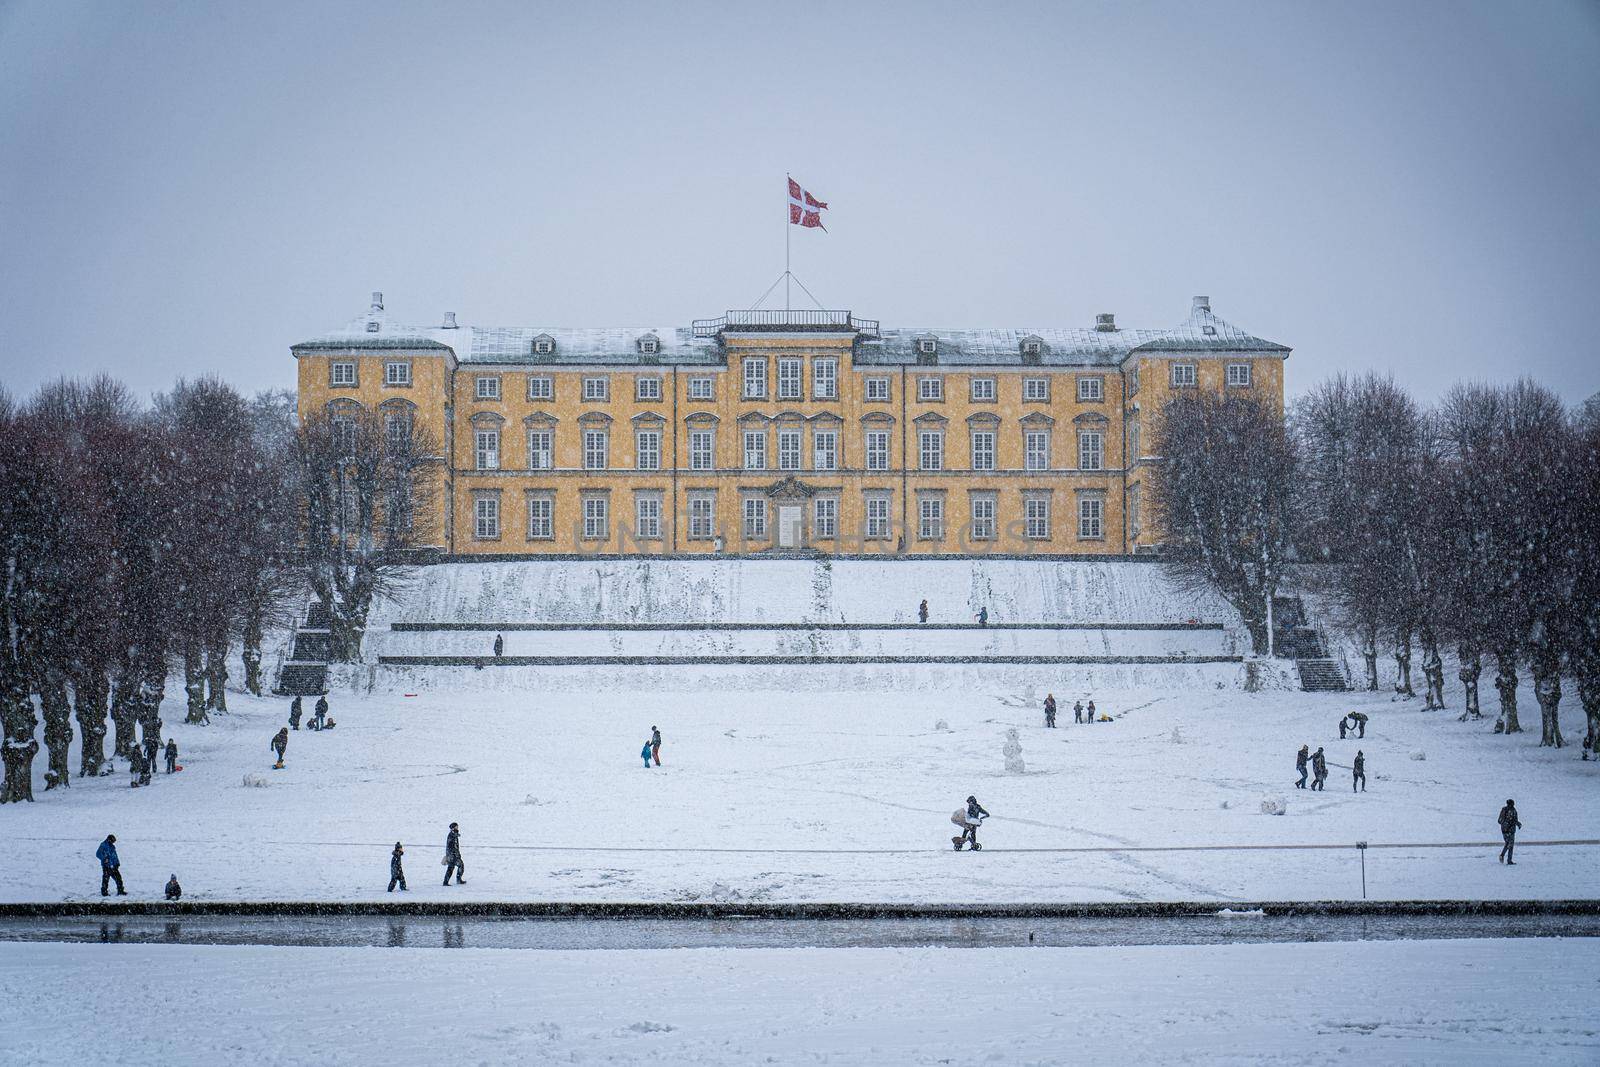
[[805, 209]]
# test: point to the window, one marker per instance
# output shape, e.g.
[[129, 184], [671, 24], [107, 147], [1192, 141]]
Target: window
[[486, 513], [1133, 380], [649, 450], [702, 511], [649, 346], [596, 448], [877, 517], [1133, 510], [983, 450], [927, 346], [647, 516], [755, 517], [788, 450], [1036, 516], [1091, 516], [825, 450], [397, 431], [824, 379], [543, 346], [1091, 388], [397, 372], [983, 518], [541, 450], [487, 387], [1209, 331], [701, 457], [755, 450], [541, 388], [1133, 442], [877, 450], [1030, 348], [930, 389], [1091, 451], [931, 450], [702, 388], [930, 518], [1036, 388], [1182, 374], [344, 436], [596, 518], [647, 389], [488, 449], [789, 379], [342, 373], [1239, 374], [596, 388], [1036, 450], [755, 379], [877, 390], [541, 518], [983, 389], [825, 522]]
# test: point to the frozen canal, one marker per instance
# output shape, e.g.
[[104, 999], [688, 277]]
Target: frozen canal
[[583, 933]]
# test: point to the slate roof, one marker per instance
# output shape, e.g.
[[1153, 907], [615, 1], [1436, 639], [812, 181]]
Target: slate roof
[[1201, 332]]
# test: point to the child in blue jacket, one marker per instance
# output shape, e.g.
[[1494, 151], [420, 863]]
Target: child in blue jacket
[[645, 752]]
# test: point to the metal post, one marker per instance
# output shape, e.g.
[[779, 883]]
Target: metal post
[[1361, 847]]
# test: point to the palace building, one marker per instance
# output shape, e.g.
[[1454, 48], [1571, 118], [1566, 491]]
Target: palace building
[[769, 432]]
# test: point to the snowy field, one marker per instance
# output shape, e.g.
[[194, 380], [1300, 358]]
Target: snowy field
[[1529, 1001], [805, 796]]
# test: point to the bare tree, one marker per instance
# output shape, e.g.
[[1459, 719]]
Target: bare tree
[[1223, 494]]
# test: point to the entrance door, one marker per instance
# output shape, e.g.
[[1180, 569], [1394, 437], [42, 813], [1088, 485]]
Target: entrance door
[[789, 525]]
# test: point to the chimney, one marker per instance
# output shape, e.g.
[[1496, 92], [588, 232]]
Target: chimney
[[1105, 322], [1202, 305], [377, 301], [449, 320]]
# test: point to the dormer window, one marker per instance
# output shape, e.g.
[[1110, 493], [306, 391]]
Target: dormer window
[[544, 345], [649, 345], [1032, 349], [927, 346], [372, 327], [1209, 331]]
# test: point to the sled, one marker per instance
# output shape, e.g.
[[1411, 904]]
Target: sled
[[176, 767]]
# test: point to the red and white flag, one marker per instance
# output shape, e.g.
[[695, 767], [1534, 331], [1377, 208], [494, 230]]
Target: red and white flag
[[805, 209]]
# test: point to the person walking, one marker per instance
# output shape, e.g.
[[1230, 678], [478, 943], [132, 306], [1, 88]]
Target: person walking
[[499, 646], [152, 754], [1050, 710], [1344, 723], [645, 754], [135, 766], [1300, 760], [452, 856], [110, 866], [655, 744], [969, 820], [1509, 825], [280, 742], [174, 891], [397, 873], [1077, 712], [1358, 773], [172, 755], [295, 710], [1319, 770], [922, 611], [1091, 713], [322, 712]]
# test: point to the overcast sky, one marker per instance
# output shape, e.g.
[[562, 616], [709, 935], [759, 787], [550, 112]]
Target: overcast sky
[[191, 188]]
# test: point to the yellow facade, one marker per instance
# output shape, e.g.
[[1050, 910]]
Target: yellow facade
[[749, 436]]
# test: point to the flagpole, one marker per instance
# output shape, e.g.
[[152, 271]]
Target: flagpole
[[787, 179]]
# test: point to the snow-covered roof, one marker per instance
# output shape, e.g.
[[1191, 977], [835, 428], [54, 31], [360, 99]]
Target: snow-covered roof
[[1201, 332]]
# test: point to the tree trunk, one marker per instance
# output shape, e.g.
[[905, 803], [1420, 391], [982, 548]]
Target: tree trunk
[[1547, 689], [57, 725], [1402, 662], [1505, 682], [1471, 668], [217, 675], [124, 706], [1589, 696], [1369, 653], [1432, 668], [194, 682], [251, 652], [152, 688], [89, 691]]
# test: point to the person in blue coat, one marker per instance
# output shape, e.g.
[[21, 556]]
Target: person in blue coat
[[110, 866], [645, 752]]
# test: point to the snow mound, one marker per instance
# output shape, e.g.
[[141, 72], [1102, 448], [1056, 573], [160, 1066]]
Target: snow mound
[[1229, 913], [255, 781], [941, 726], [1177, 736], [1418, 754], [1274, 805]]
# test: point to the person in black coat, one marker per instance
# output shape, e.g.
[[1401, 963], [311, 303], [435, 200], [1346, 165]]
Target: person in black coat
[[280, 742], [295, 711], [1358, 774], [172, 756], [397, 873], [1300, 760], [1077, 711], [174, 890], [1319, 769], [499, 646], [1089, 713], [1509, 825], [322, 711], [1358, 722], [1050, 709], [1344, 726], [452, 856], [922, 611]]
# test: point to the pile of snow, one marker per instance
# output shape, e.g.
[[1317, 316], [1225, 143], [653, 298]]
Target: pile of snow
[[1274, 805], [255, 781], [1418, 754]]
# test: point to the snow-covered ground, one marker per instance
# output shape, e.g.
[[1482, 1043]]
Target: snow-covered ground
[[820, 796], [1458, 1002]]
